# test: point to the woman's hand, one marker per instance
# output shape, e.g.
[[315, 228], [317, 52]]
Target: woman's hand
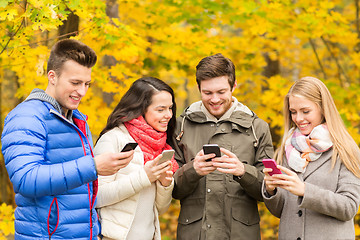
[[288, 181], [154, 171], [166, 177], [270, 185]]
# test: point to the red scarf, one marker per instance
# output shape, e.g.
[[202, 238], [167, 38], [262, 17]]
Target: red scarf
[[151, 142]]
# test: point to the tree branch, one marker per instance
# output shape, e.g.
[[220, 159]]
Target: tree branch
[[12, 35], [357, 19], [317, 57], [340, 68]]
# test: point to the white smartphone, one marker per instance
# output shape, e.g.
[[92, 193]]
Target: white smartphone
[[166, 156]]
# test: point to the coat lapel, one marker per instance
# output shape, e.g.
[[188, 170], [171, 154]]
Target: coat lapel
[[312, 166]]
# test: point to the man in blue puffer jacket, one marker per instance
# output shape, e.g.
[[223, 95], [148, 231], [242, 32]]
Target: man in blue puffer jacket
[[47, 148]]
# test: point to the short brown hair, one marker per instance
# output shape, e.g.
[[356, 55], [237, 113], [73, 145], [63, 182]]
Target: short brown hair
[[215, 66], [70, 49]]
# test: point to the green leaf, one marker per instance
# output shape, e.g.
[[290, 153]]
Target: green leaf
[[4, 3]]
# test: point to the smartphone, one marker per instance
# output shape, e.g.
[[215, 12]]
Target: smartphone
[[270, 163], [211, 148], [129, 146], [166, 156]]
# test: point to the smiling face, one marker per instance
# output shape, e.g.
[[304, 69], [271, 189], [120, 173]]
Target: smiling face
[[71, 86], [304, 113], [216, 95], [159, 112]]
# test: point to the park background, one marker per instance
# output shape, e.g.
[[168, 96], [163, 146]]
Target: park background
[[271, 42]]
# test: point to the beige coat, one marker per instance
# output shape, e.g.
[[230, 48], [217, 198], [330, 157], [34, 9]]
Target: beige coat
[[118, 194], [328, 207]]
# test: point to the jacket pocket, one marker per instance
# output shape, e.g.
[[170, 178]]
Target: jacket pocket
[[244, 210], [191, 211], [190, 219], [242, 217]]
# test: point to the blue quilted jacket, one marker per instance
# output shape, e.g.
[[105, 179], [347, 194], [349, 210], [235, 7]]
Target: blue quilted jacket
[[50, 164]]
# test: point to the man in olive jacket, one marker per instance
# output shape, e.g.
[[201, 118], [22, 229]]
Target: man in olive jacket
[[219, 197]]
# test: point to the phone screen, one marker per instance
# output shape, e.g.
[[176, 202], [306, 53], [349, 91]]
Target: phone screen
[[211, 148], [129, 146]]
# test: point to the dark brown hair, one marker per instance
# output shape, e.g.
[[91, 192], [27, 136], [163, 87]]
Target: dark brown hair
[[215, 66], [135, 102], [70, 49]]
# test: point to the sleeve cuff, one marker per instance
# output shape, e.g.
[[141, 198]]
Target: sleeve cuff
[[249, 177]]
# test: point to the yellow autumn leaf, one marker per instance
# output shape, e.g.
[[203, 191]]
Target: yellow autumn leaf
[[8, 14]]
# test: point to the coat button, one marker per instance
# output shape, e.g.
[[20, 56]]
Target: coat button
[[209, 226], [299, 213], [209, 190], [223, 130], [187, 220]]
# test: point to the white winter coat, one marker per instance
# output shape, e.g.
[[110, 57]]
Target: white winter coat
[[118, 194]]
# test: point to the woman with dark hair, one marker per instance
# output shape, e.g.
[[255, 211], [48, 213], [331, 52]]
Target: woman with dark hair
[[130, 201]]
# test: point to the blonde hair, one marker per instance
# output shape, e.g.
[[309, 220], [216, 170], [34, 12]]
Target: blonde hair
[[344, 146]]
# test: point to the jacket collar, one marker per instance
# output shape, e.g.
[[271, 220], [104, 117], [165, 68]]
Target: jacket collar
[[39, 94], [238, 114]]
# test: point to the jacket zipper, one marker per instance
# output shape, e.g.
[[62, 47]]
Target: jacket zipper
[[57, 222], [91, 199]]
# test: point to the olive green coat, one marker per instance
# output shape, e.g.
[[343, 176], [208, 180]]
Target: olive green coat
[[220, 206]]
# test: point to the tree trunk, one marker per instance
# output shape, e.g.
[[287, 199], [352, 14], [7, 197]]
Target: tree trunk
[[70, 26], [112, 10], [8, 89]]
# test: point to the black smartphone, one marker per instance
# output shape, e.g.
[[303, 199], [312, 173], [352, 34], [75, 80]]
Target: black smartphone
[[129, 146], [211, 148]]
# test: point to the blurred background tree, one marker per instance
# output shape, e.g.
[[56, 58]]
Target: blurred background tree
[[271, 42]]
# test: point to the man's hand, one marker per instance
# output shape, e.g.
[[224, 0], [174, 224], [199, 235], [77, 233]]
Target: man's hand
[[229, 163], [111, 163], [201, 166]]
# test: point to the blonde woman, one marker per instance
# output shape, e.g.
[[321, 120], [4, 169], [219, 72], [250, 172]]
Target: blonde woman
[[318, 194]]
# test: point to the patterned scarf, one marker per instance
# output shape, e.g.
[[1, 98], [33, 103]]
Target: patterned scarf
[[301, 149], [151, 142]]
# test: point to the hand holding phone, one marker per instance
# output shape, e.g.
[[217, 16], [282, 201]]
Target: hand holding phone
[[211, 148], [166, 156], [270, 163], [129, 146]]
